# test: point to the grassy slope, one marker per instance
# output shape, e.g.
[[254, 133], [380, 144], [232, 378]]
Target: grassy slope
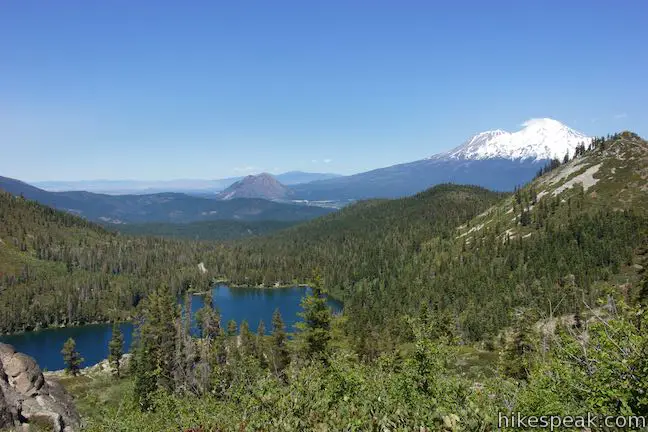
[[620, 182]]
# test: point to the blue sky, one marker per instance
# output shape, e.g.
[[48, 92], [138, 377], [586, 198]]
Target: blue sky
[[211, 89]]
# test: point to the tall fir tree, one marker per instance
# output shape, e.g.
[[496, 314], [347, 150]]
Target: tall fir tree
[[247, 342], [155, 352], [260, 344], [315, 330], [231, 328], [71, 357], [280, 352], [116, 349]]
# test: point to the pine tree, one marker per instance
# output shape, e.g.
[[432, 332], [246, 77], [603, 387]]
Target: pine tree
[[260, 344], [71, 357], [315, 329], [247, 342], [115, 349], [280, 352], [231, 328], [516, 357], [208, 319], [155, 352]]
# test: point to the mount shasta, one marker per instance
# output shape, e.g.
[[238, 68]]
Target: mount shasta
[[497, 160]]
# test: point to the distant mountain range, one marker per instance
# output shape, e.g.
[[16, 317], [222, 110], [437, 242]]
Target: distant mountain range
[[163, 207], [194, 186], [497, 160]]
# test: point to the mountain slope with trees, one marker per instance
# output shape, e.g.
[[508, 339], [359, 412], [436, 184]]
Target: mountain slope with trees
[[205, 230], [366, 239], [57, 268]]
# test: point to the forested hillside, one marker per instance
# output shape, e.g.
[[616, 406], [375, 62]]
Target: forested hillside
[[56, 268], [366, 239], [206, 230]]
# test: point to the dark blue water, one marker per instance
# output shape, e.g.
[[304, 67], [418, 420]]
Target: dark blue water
[[251, 304]]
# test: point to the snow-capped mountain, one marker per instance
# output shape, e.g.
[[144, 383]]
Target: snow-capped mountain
[[540, 139], [497, 160]]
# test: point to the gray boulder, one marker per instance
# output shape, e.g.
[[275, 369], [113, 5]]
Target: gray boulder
[[26, 397]]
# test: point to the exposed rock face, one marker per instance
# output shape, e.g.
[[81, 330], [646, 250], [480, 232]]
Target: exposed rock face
[[27, 397]]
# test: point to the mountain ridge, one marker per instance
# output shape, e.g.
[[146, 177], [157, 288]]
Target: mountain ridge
[[162, 207], [144, 187]]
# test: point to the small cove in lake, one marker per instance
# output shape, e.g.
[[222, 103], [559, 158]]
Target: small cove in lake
[[251, 304]]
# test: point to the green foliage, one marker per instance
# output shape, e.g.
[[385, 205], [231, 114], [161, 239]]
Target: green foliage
[[600, 368], [59, 269], [261, 345], [115, 349], [280, 355], [517, 353], [207, 230], [314, 330], [364, 240], [231, 328], [347, 395], [247, 342], [71, 357], [208, 318], [155, 346]]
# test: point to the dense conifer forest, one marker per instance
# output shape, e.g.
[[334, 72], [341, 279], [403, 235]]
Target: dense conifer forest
[[57, 269], [208, 230]]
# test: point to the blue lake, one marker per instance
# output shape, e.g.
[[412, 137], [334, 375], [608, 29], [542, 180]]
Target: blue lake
[[251, 304]]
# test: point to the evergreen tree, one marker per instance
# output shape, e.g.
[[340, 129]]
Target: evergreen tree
[[280, 352], [247, 342], [115, 349], [155, 353], [208, 319], [71, 357], [231, 328], [516, 357], [315, 329], [260, 344]]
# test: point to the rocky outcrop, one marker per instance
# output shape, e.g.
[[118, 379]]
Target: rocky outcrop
[[27, 397]]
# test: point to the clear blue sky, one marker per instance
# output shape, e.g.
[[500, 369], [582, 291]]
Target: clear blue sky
[[210, 89]]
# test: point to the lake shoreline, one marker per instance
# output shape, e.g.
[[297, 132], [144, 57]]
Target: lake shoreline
[[276, 285], [101, 367], [128, 320], [229, 284], [252, 305]]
